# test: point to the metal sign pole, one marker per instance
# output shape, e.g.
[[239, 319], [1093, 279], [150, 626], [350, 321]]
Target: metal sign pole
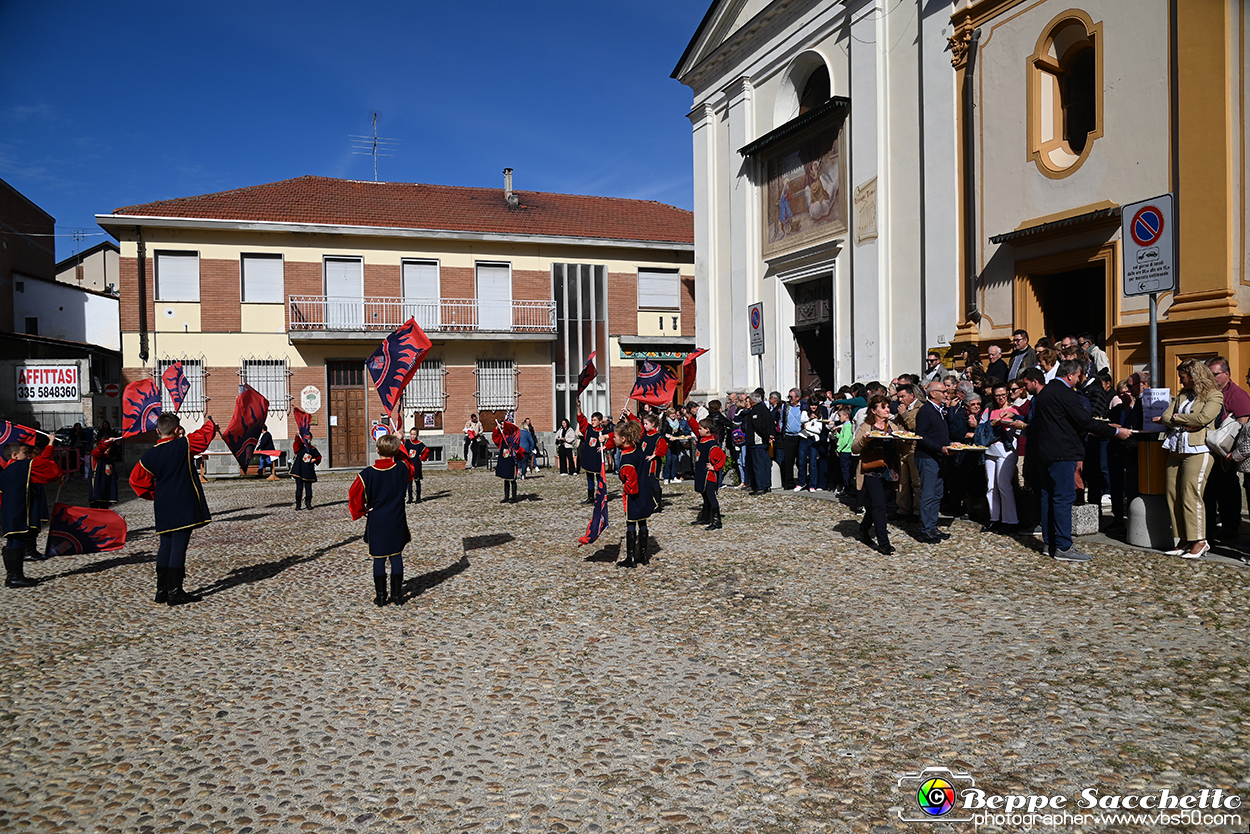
[[1154, 340]]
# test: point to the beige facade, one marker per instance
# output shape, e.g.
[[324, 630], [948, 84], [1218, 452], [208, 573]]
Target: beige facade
[[500, 356], [1072, 111]]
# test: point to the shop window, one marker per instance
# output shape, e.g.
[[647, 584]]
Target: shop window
[[1065, 94]]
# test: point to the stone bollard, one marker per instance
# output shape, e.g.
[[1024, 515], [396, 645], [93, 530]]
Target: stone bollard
[[1150, 523]]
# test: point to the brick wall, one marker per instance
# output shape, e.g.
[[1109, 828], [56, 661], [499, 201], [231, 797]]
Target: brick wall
[[687, 305], [128, 286], [531, 285], [383, 280], [220, 296], [623, 303], [461, 385], [301, 377], [457, 282], [222, 388], [535, 384], [301, 278]]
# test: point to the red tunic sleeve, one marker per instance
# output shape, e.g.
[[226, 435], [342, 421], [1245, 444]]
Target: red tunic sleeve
[[425, 452], [582, 423], [629, 478], [297, 445], [101, 450], [201, 437], [142, 482], [355, 498], [715, 462], [633, 417], [661, 447], [316, 457], [43, 469], [609, 441]]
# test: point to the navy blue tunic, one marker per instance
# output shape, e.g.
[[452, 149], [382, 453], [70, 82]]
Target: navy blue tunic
[[414, 451], [634, 474], [386, 525], [590, 457], [18, 509], [304, 467], [104, 478], [179, 502]]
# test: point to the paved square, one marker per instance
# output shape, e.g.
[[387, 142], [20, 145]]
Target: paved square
[[774, 676]]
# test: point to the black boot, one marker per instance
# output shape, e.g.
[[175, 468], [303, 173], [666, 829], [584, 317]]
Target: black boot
[[162, 585], [417, 500], [308, 502], [297, 506], [32, 551], [715, 525], [397, 589], [642, 555], [14, 573], [379, 591], [705, 514], [631, 544], [177, 596]]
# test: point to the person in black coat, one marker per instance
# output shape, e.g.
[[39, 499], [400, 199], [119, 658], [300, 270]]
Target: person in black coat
[[264, 443], [998, 365], [1122, 454], [104, 460], [931, 450], [1058, 425], [760, 426], [377, 495], [304, 470]]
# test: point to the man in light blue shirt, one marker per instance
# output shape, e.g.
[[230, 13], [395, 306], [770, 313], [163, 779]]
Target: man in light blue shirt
[[789, 432]]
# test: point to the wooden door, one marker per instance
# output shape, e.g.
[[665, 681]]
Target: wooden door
[[348, 432]]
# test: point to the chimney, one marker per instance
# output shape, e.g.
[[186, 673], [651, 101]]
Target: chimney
[[510, 198]]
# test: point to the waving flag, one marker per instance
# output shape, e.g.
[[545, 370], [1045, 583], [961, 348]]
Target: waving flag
[[176, 383], [688, 372], [250, 411], [396, 360], [588, 373], [141, 405], [303, 423], [655, 385], [13, 433], [82, 530], [598, 518]]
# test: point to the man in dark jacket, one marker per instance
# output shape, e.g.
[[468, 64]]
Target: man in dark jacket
[[998, 366], [931, 449], [1023, 357], [759, 426], [1058, 424]]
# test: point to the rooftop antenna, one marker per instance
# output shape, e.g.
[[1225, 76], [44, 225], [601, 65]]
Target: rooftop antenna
[[374, 146]]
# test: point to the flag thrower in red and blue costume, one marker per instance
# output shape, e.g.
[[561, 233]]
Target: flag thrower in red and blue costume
[[688, 371], [81, 530], [176, 383], [598, 518], [395, 361], [303, 424], [13, 433], [655, 385], [250, 411], [141, 405], [587, 375]]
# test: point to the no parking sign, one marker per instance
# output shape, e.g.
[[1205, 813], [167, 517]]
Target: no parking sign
[[1149, 233]]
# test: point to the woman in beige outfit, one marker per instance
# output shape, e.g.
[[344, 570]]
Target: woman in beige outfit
[[1187, 418]]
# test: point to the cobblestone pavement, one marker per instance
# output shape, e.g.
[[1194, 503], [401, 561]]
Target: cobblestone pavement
[[774, 676]]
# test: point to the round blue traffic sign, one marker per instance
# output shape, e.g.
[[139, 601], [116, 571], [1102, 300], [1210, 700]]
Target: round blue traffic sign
[[755, 318], [1147, 226]]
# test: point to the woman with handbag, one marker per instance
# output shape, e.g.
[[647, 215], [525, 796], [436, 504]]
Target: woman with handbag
[[472, 436], [878, 471], [999, 427], [1187, 418]]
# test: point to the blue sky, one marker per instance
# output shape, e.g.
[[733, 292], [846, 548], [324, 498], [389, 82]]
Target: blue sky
[[106, 105]]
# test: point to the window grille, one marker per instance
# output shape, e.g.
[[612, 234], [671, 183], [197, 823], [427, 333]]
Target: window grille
[[196, 401], [496, 384], [271, 378], [425, 391]]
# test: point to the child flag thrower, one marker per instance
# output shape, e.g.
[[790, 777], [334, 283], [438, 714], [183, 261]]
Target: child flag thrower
[[377, 496]]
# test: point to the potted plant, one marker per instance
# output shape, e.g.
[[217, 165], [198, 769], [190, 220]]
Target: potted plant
[[455, 462]]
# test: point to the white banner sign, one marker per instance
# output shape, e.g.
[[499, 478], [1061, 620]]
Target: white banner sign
[[47, 383]]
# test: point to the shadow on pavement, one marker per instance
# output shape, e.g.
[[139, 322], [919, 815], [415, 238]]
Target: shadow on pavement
[[489, 540], [420, 584], [607, 553], [137, 558], [268, 570]]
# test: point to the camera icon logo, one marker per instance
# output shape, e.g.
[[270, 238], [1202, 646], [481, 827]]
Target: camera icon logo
[[937, 790]]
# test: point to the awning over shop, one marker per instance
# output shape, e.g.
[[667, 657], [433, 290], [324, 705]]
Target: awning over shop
[[656, 348]]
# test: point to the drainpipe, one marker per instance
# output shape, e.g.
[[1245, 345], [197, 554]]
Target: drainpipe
[[970, 210], [143, 296]]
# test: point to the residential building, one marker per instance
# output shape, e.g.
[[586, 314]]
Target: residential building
[[1071, 111], [92, 269], [292, 285], [825, 175], [59, 345]]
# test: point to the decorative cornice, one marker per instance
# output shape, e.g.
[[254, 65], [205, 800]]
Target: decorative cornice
[[959, 43]]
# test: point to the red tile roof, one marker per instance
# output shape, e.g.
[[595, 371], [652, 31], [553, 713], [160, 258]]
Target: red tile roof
[[443, 207]]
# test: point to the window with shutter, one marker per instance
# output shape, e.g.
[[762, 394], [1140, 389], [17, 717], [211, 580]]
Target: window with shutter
[[421, 293], [177, 276], [345, 293], [494, 296], [262, 279], [659, 289]]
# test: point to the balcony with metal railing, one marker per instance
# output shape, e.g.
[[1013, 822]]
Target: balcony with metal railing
[[327, 318]]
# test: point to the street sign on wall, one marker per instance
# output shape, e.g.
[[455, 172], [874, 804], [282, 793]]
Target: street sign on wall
[[47, 383], [755, 323], [1149, 237]]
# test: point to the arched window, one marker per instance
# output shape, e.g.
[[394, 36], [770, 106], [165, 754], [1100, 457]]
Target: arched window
[[815, 91], [1065, 94]]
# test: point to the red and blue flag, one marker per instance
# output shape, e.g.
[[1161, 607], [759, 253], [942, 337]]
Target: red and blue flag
[[688, 371], [587, 375], [176, 383], [599, 517], [655, 385], [250, 411], [141, 405], [303, 424], [396, 360], [13, 433], [82, 530]]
